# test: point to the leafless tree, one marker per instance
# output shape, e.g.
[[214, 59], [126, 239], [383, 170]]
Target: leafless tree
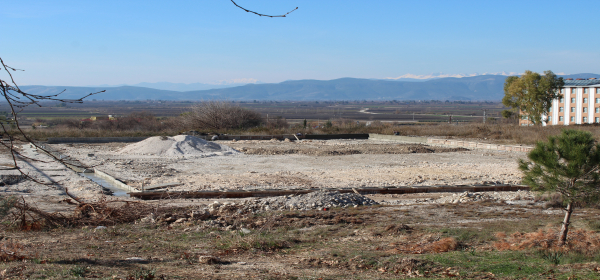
[[17, 100]]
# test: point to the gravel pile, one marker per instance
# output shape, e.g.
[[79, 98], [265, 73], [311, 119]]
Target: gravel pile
[[322, 200], [508, 197], [180, 145], [486, 196]]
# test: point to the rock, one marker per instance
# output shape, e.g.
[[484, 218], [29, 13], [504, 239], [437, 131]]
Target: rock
[[200, 214], [209, 260], [180, 220], [148, 219], [136, 260], [245, 230]]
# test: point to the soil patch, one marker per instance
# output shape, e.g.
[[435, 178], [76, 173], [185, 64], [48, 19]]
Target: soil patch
[[324, 148]]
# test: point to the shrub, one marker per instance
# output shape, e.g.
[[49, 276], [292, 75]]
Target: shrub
[[219, 115], [6, 204]]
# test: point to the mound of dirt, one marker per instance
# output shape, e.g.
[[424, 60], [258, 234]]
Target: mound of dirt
[[180, 145]]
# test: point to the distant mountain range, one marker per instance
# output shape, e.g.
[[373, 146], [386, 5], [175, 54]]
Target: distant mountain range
[[475, 88], [177, 86]]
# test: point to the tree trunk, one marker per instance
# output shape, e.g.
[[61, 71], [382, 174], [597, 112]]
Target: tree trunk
[[562, 239]]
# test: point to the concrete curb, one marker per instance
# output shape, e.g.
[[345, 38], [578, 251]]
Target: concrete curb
[[451, 142], [115, 182], [397, 138], [73, 165], [476, 145], [61, 140]]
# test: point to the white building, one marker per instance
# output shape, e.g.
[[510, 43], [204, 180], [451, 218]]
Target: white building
[[580, 103]]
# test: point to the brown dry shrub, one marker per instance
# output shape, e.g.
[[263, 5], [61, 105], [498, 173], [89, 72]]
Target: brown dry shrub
[[102, 212], [428, 244], [578, 240], [11, 251], [444, 245]]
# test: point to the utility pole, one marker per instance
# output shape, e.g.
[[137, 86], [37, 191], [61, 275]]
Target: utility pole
[[483, 116]]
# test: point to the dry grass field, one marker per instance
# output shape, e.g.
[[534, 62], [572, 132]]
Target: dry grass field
[[463, 241]]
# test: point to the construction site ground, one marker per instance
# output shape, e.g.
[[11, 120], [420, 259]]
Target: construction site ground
[[305, 164], [387, 241]]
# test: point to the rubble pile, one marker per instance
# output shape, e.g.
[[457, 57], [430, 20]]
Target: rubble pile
[[213, 215], [322, 200], [487, 196], [508, 197]]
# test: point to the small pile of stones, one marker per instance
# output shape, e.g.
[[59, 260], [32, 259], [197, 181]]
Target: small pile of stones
[[171, 218], [319, 200], [465, 197], [507, 197], [487, 196]]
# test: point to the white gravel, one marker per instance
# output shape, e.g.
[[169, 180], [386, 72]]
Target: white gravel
[[518, 197]]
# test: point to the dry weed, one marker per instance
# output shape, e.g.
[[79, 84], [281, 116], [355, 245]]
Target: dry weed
[[579, 240], [11, 251], [428, 244], [103, 212]]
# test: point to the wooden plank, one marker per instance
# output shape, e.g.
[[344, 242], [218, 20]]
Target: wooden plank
[[274, 192]]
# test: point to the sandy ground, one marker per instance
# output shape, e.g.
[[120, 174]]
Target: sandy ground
[[390, 165], [269, 165]]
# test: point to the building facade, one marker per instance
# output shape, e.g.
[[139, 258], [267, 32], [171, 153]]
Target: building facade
[[580, 104]]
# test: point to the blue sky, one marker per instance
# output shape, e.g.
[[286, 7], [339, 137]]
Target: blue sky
[[75, 43]]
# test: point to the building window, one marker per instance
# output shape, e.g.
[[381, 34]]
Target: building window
[[572, 100], [562, 100], [549, 119], [574, 90], [560, 118], [562, 91], [585, 90], [585, 119], [573, 119], [585, 100], [598, 90], [572, 109], [550, 110], [597, 100], [597, 110], [561, 109], [585, 109], [597, 120]]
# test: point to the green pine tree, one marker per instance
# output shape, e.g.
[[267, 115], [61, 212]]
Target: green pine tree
[[567, 164]]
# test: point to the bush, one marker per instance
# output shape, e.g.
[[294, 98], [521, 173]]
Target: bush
[[220, 115], [6, 204]]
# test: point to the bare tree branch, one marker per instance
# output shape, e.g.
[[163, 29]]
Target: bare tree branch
[[259, 14], [18, 99]]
